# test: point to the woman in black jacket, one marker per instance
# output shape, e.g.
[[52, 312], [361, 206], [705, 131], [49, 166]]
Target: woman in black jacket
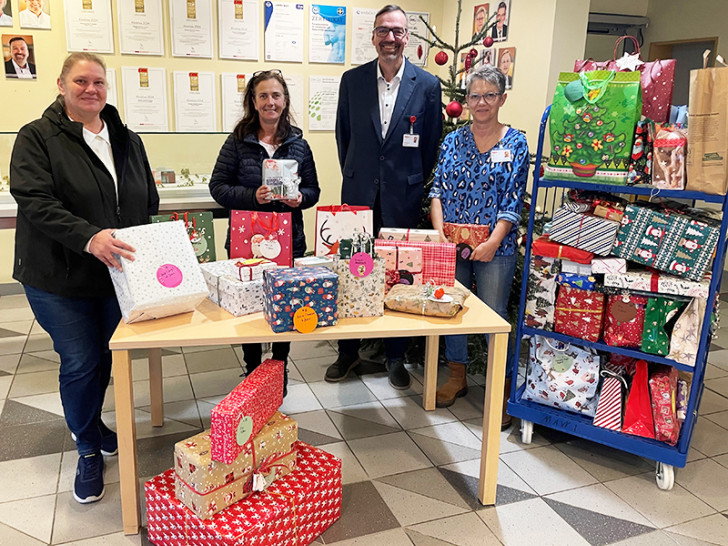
[[265, 131], [78, 173]]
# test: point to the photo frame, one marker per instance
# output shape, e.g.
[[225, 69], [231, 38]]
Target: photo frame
[[506, 64], [499, 32], [19, 56]]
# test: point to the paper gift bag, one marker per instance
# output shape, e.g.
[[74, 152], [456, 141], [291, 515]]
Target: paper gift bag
[[360, 295], [164, 279], [708, 130], [638, 410], [640, 165], [609, 407], [541, 294], [685, 338], [658, 316], [200, 228], [592, 122], [336, 222], [256, 234], [624, 320], [663, 388], [466, 237]]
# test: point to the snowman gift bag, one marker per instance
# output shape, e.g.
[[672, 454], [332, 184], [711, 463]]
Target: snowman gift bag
[[256, 234]]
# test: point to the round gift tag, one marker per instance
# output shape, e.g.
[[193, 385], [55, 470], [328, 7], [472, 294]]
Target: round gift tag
[[463, 251], [305, 320], [244, 430], [361, 264], [562, 363], [169, 275]]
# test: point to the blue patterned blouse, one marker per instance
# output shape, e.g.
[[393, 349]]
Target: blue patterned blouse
[[473, 190]]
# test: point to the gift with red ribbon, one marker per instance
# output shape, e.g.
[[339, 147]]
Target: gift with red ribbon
[[292, 511], [405, 234], [545, 247], [336, 222], [579, 313], [584, 231], [257, 234], [438, 260], [206, 487], [200, 228], [402, 265]]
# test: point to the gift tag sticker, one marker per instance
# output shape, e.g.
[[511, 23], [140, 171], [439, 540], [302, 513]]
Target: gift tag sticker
[[169, 275], [562, 363], [361, 264], [305, 320], [270, 248], [244, 430], [446, 298], [624, 311], [463, 251]]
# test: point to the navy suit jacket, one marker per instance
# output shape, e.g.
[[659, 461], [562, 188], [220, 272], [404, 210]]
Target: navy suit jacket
[[370, 164]]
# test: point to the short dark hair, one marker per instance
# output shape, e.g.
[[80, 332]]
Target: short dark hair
[[502, 5], [250, 122], [17, 38], [388, 8]]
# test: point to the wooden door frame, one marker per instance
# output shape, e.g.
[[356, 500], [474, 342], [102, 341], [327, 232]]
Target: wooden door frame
[[663, 50]]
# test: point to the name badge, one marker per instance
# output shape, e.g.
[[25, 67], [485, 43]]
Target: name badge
[[501, 155], [410, 140]]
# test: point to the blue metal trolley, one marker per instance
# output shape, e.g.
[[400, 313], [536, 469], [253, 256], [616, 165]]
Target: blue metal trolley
[[667, 457]]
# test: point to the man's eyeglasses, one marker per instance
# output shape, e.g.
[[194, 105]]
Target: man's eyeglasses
[[267, 72], [489, 98], [383, 32]]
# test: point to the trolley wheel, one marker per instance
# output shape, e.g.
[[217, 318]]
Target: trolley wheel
[[526, 431], [665, 476]]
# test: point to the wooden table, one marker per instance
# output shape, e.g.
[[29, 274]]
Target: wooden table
[[210, 325]]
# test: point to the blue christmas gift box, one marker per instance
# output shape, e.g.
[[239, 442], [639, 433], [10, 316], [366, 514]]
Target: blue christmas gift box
[[289, 289], [585, 231], [583, 282]]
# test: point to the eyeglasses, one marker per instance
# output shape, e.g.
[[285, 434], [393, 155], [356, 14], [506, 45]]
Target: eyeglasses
[[489, 98], [383, 32], [267, 72]]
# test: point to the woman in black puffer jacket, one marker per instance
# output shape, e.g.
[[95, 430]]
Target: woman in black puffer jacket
[[265, 131]]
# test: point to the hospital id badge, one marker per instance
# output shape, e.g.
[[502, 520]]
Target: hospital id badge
[[410, 140], [501, 155]]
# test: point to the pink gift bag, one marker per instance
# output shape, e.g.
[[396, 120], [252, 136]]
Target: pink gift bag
[[256, 234]]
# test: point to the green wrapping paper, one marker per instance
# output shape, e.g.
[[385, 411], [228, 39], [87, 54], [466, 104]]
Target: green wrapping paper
[[658, 314]]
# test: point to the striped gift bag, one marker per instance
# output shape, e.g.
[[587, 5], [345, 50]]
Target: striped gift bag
[[438, 259], [585, 231], [609, 408]]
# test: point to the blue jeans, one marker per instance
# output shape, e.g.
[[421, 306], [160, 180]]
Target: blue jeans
[[80, 329], [493, 280]]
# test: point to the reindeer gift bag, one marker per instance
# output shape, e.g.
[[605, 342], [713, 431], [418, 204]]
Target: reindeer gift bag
[[336, 222]]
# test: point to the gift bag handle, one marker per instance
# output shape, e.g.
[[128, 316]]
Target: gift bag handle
[[597, 85], [270, 228], [174, 216], [567, 346], [622, 39], [342, 208]]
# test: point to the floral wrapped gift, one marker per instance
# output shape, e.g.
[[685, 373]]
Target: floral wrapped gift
[[579, 313], [541, 293], [584, 231], [361, 292], [206, 487]]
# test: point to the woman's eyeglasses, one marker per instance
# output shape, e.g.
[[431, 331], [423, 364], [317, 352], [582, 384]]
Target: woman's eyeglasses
[[383, 32], [489, 98], [267, 72]]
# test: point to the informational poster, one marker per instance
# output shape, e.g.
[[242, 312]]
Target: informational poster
[[233, 90], [283, 31], [238, 29], [416, 49], [145, 98], [140, 27], [112, 96], [362, 24], [194, 102], [191, 28], [88, 26], [294, 83], [323, 96], [327, 34]]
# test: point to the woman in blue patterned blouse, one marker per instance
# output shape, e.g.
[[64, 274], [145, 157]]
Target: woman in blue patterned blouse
[[480, 179]]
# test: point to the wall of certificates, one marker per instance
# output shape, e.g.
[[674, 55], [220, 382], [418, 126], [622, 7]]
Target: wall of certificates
[[204, 30]]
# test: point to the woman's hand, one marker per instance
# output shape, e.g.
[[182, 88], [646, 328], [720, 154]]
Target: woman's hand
[[263, 195], [104, 246], [485, 251], [295, 203], [443, 238]]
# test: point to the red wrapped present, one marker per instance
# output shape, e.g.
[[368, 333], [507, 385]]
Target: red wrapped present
[[625, 320], [663, 388], [242, 413], [466, 237], [293, 511], [438, 259], [579, 313], [546, 248]]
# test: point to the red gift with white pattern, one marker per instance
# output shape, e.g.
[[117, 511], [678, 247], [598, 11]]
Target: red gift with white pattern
[[242, 413], [292, 511]]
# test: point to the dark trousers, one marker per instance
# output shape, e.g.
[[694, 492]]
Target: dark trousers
[[394, 347], [80, 329], [253, 353]]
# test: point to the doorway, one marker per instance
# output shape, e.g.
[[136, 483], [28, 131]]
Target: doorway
[[689, 56]]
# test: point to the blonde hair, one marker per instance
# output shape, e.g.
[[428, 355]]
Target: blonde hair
[[77, 57]]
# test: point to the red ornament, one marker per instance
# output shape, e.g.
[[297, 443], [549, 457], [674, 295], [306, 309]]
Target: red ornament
[[454, 109], [441, 58], [468, 62], [473, 53], [488, 41]]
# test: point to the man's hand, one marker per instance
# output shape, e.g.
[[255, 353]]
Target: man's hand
[[295, 203], [263, 195], [485, 251], [104, 246]]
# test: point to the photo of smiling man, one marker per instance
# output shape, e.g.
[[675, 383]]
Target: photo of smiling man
[[19, 65], [35, 14]]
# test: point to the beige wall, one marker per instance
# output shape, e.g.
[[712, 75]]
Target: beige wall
[[678, 20]]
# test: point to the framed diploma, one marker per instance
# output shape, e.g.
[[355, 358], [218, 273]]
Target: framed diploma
[[88, 26], [362, 23], [140, 27], [283, 31], [323, 96], [238, 22], [194, 102], [233, 89], [145, 98], [112, 97], [191, 28]]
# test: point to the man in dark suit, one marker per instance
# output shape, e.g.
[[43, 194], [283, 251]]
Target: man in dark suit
[[18, 66], [499, 32], [388, 126]]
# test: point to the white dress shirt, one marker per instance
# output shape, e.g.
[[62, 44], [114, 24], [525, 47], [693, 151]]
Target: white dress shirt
[[22, 72], [5, 20], [30, 19], [388, 92]]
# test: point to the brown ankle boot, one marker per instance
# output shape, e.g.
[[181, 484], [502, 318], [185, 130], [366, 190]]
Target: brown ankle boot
[[455, 387], [506, 419]]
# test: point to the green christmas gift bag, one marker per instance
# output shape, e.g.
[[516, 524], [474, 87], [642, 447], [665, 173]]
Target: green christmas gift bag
[[200, 229], [658, 325], [592, 121]]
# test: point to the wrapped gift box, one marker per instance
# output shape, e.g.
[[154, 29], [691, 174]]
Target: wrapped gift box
[[360, 296], [608, 265], [241, 298], [545, 247], [624, 320], [402, 265], [667, 240], [293, 510], [242, 413], [242, 270], [661, 283], [567, 266], [281, 176], [438, 259], [541, 294], [287, 290], [579, 313], [584, 282], [584, 231], [610, 213], [206, 487], [309, 261], [164, 279], [402, 234]]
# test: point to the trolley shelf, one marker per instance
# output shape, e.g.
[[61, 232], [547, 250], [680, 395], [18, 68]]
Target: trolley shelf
[[634, 353], [632, 190]]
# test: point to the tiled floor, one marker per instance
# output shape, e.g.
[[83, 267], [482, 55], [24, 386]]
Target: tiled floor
[[410, 476]]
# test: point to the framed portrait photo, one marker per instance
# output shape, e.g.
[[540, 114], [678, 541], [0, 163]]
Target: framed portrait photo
[[19, 56], [480, 18], [507, 63], [499, 31]]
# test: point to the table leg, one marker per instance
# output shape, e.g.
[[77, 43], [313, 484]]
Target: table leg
[[492, 412], [156, 393], [432, 344], [126, 432]]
